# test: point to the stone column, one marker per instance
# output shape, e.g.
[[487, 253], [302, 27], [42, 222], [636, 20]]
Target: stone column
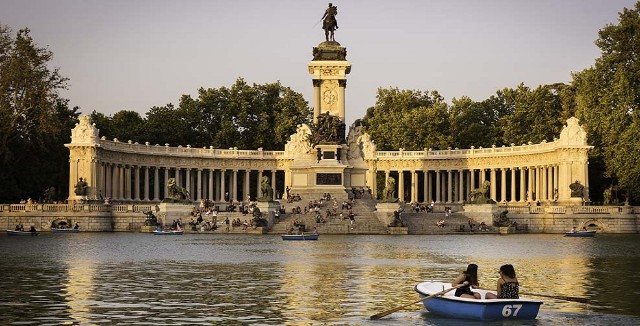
[[536, 184], [473, 179], [556, 179], [531, 183], [523, 183], [543, 179], [438, 186], [121, 182], [316, 100], [222, 182], [247, 177], [210, 193], [166, 182], [513, 185], [187, 177], [146, 184], [273, 183], [503, 184], [177, 176], [493, 181], [400, 185], [414, 187], [127, 182], [199, 184], [449, 186], [136, 186], [156, 184], [461, 186], [234, 186], [259, 194]]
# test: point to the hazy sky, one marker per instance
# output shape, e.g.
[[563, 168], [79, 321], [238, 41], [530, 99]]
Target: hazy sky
[[135, 54]]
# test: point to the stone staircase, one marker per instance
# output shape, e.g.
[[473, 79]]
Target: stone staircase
[[366, 221], [425, 223]]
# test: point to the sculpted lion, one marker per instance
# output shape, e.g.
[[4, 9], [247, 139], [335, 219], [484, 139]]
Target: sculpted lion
[[177, 192]]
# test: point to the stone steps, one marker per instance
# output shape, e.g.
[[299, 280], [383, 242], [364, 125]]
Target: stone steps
[[366, 220]]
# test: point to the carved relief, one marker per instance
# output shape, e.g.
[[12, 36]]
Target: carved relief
[[329, 97], [299, 143]]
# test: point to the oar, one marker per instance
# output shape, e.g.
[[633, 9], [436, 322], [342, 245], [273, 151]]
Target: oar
[[559, 297], [390, 311]]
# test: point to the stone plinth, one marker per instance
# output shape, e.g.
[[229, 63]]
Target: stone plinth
[[267, 208], [482, 212], [174, 211], [385, 211]]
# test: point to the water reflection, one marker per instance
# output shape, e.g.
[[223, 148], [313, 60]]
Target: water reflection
[[216, 279]]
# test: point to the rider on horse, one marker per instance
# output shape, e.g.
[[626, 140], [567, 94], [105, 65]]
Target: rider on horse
[[329, 23]]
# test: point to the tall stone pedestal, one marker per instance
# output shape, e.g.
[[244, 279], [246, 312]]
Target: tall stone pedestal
[[267, 208], [173, 211]]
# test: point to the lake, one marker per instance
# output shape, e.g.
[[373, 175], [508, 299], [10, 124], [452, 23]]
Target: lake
[[206, 279]]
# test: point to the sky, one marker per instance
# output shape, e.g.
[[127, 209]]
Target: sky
[[137, 54]]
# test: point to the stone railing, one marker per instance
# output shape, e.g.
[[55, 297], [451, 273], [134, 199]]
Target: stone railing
[[188, 151], [61, 208], [516, 209], [481, 152], [596, 209], [140, 208]]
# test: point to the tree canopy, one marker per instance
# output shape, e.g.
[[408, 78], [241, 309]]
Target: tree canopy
[[243, 116], [34, 120], [608, 100]]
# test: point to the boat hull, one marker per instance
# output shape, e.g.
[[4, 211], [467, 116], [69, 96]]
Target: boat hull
[[300, 236], [484, 309], [65, 230], [21, 233], [581, 234], [168, 232]]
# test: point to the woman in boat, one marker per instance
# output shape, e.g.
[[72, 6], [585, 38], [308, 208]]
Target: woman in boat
[[469, 279], [508, 286]]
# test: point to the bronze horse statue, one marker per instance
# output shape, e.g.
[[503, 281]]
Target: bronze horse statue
[[329, 22]]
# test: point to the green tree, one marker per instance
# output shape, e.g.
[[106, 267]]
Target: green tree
[[532, 115], [34, 119], [475, 123], [607, 98], [409, 119]]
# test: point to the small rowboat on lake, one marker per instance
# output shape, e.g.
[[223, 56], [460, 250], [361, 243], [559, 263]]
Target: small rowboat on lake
[[581, 234], [65, 230], [168, 232], [21, 233], [484, 309], [300, 236]]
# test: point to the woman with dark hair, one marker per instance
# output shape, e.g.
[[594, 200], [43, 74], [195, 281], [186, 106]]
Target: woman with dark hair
[[508, 286], [468, 278]]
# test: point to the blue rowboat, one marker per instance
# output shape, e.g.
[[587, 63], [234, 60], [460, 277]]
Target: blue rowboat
[[581, 234], [300, 236], [21, 233], [483, 309], [65, 230]]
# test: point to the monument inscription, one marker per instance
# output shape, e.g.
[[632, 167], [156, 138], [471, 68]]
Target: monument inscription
[[329, 179]]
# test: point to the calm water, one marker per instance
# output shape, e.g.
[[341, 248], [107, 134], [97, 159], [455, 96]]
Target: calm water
[[142, 279]]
